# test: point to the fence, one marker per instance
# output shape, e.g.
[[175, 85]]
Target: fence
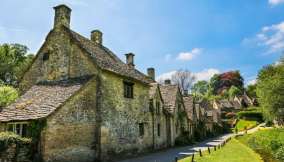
[[191, 158]]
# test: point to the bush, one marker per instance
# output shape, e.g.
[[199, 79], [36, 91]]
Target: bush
[[250, 115], [280, 154], [7, 138], [183, 140]]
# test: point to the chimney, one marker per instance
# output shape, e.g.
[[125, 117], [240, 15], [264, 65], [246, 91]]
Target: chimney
[[167, 82], [62, 16], [130, 59], [185, 92], [151, 73], [97, 37]]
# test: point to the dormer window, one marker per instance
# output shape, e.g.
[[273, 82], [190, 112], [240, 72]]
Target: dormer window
[[128, 89], [45, 56]]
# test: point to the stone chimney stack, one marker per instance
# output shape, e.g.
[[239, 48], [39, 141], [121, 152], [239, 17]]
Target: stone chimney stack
[[167, 82], [151, 73], [97, 37], [130, 60], [62, 16], [185, 92]]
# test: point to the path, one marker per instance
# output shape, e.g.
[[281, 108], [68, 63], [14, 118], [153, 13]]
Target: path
[[169, 154]]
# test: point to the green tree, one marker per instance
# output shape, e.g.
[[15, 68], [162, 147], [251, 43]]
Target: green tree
[[251, 90], [270, 91], [14, 60], [200, 88], [8, 95], [234, 91]]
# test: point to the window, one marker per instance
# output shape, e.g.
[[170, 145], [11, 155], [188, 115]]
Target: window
[[128, 89], [18, 128], [151, 105], [141, 129], [159, 130], [177, 125], [45, 56], [158, 107]]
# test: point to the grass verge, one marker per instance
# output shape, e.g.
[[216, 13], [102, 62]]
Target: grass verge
[[234, 151], [245, 124]]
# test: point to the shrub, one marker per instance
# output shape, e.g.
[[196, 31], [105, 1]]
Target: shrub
[[7, 95], [183, 140], [280, 154], [250, 115], [7, 138]]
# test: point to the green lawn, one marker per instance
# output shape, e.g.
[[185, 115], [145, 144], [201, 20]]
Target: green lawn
[[269, 143], [242, 124], [234, 151]]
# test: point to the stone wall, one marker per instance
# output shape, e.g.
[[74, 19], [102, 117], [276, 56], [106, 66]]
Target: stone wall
[[121, 117], [70, 132]]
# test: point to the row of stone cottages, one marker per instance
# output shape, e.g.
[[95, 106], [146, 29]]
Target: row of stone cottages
[[87, 104]]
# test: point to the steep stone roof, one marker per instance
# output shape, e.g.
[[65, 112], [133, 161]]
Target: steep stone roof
[[107, 60], [40, 100], [169, 94], [188, 103]]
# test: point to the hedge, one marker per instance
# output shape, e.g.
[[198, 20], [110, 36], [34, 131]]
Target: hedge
[[7, 138], [250, 115]]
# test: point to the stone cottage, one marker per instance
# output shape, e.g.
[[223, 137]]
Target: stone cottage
[[161, 137], [191, 112], [88, 104], [173, 103]]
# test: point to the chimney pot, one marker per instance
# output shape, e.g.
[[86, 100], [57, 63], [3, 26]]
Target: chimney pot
[[130, 60], [167, 82], [97, 37], [151, 73], [62, 16], [185, 92]]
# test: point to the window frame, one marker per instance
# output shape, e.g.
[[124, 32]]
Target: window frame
[[128, 89], [159, 129], [158, 107], [19, 128], [141, 129]]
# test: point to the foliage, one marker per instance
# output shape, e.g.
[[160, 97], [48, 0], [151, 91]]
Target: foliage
[[270, 91], [183, 78], [267, 142], [250, 115], [183, 140], [14, 59], [220, 82], [251, 91], [234, 91], [280, 153], [234, 151], [200, 88], [7, 95], [245, 124], [7, 138], [230, 115]]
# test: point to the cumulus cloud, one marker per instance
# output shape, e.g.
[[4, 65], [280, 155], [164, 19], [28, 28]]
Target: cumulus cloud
[[202, 75], [275, 2], [187, 56], [251, 82], [270, 37]]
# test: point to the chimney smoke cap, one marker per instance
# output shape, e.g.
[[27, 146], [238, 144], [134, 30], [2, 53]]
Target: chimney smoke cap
[[62, 6]]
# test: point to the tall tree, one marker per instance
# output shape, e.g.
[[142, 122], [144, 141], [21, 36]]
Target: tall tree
[[234, 91], [251, 90], [200, 87], [14, 59], [270, 92], [7, 95], [184, 78]]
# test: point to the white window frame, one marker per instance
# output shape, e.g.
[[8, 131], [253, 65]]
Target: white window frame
[[14, 125]]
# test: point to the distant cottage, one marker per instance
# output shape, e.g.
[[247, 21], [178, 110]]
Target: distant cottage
[[89, 105]]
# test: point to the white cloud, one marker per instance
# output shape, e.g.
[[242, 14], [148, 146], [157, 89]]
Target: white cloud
[[275, 2], [186, 56], [270, 37], [206, 74], [251, 82], [202, 75]]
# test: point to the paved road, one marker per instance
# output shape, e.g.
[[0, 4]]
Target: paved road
[[170, 154]]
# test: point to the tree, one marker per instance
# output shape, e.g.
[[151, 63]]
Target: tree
[[221, 82], [200, 87], [183, 78], [14, 60], [251, 90], [234, 91], [270, 92], [7, 95]]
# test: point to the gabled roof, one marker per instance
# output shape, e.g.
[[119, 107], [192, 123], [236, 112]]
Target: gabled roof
[[41, 100], [169, 94], [106, 59], [189, 108]]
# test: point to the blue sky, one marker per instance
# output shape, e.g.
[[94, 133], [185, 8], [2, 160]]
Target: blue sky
[[203, 36]]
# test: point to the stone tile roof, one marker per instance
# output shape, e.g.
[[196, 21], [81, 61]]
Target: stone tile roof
[[169, 94], [107, 60], [226, 103], [188, 103], [40, 101]]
